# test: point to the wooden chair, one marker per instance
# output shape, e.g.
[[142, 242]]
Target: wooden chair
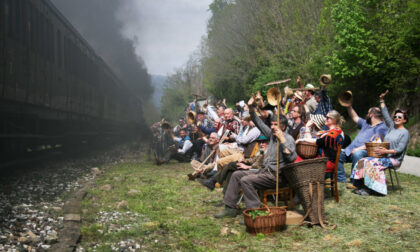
[[283, 192], [331, 182]]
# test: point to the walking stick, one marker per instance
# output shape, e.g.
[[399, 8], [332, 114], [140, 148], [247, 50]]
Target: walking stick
[[278, 147], [198, 170]]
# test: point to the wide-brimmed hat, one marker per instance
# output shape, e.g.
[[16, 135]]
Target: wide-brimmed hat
[[319, 120], [310, 86], [299, 95]]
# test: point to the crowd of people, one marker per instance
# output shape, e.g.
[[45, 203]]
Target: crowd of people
[[241, 148]]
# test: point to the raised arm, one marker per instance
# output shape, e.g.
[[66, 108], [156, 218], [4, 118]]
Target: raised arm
[[353, 115], [387, 118], [265, 130]]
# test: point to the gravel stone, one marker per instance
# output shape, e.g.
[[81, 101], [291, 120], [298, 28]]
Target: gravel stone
[[32, 199]]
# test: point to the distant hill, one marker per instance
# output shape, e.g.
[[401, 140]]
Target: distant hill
[[157, 83]]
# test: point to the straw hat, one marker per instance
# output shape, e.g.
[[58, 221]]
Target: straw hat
[[299, 95], [345, 98], [319, 120]]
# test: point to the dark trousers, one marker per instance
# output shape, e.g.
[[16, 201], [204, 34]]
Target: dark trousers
[[250, 182], [225, 174]]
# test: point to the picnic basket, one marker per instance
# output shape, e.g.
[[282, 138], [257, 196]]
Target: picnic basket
[[306, 150], [372, 146], [269, 224], [307, 178]]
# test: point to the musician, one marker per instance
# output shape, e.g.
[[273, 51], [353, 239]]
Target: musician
[[181, 125], [266, 179]]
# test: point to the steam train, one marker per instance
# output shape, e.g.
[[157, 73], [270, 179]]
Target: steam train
[[55, 89]]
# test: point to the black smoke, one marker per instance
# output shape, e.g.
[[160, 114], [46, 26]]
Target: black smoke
[[96, 21]]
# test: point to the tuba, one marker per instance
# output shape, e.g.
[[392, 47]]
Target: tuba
[[345, 98], [191, 117], [325, 79], [273, 96]]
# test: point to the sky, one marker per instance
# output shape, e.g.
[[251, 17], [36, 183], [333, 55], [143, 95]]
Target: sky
[[165, 32]]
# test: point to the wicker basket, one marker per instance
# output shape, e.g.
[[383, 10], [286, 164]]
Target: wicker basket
[[304, 176], [265, 224], [306, 150], [372, 146]]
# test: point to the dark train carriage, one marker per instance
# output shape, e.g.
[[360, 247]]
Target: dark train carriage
[[53, 86]]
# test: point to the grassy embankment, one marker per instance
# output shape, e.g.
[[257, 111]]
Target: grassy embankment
[[176, 214]]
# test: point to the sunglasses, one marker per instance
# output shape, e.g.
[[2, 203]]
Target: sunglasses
[[328, 118], [399, 117]]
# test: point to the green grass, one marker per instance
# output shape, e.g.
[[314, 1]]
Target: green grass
[[176, 214]]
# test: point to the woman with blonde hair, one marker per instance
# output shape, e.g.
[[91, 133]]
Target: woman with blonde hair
[[328, 140]]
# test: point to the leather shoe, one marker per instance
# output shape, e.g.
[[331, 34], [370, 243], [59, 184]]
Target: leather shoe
[[209, 183], [191, 176]]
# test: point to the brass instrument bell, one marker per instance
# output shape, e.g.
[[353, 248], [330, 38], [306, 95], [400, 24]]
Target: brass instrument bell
[[191, 117], [274, 96]]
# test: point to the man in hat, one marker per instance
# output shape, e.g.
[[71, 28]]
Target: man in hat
[[311, 102], [266, 178], [308, 93], [373, 125]]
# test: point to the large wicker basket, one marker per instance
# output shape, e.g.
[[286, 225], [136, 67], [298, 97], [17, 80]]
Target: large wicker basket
[[306, 150], [265, 224], [305, 176], [372, 146]]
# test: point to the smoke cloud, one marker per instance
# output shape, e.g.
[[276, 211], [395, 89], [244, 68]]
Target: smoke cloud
[[97, 21]]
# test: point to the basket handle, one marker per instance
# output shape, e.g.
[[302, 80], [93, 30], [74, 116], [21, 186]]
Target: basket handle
[[268, 209], [375, 136]]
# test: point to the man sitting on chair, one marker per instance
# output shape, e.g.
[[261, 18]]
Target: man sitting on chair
[[266, 178]]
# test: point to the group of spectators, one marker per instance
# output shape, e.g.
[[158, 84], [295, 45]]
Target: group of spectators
[[237, 148]]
